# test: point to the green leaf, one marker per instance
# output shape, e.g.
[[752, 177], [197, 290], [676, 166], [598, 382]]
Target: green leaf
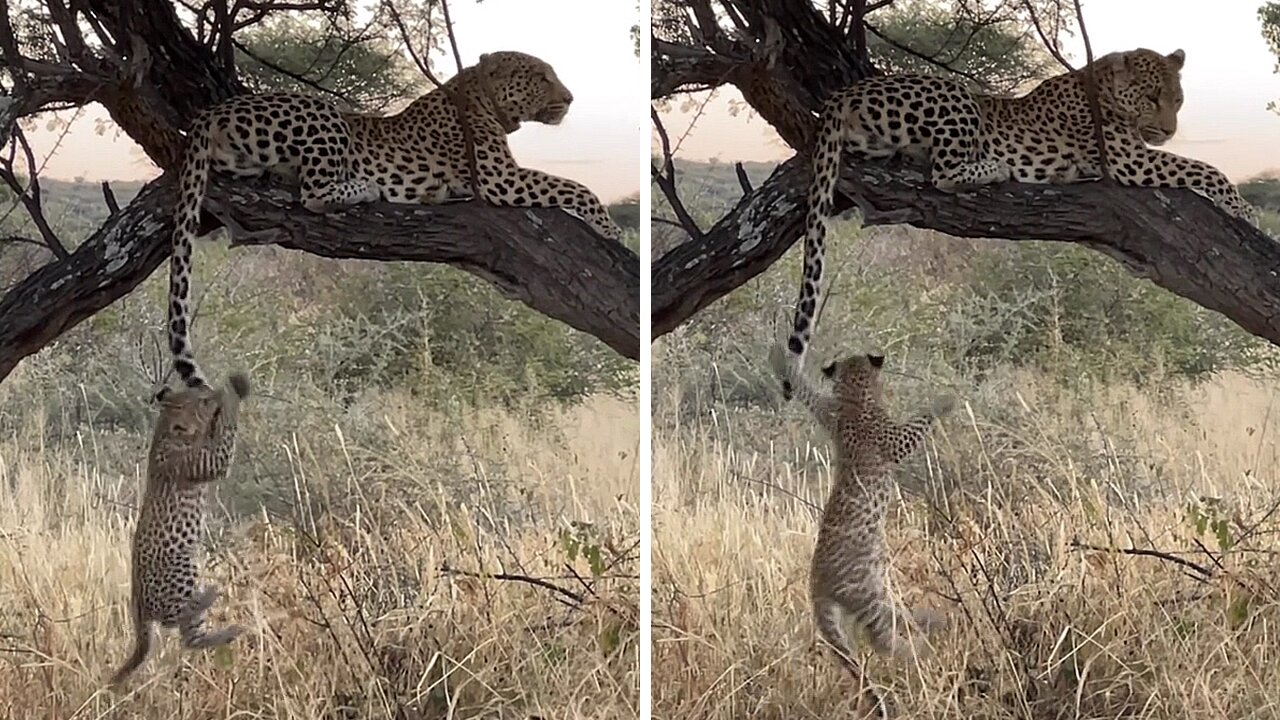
[[1222, 529], [223, 656], [594, 561], [554, 654], [610, 639], [1238, 611]]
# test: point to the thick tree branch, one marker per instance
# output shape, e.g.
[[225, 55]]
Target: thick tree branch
[[1175, 238], [544, 258]]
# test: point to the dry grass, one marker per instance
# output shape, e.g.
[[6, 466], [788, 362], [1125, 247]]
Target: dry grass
[[1041, 629], [351, 615]]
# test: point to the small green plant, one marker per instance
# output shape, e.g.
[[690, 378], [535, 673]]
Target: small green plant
[[582, 539], [1207, 515]]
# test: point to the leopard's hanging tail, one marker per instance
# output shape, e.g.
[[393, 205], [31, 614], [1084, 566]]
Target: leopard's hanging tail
[[144, 634], [822, 193], [192, 184]]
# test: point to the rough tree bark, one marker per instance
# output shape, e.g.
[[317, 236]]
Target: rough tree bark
[[1175, 238], [152, 76]]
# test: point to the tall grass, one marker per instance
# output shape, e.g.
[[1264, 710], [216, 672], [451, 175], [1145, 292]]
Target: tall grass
[[992, 528]]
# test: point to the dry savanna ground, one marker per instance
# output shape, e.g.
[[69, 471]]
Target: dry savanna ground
[[995, 516], [358, 540]]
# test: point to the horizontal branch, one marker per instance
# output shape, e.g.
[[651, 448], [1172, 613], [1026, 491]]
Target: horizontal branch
[[1175, 238], [544, 258]]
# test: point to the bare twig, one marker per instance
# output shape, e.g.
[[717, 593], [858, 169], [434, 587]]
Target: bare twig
[[109, 197], [464, 121], [1204, 572], [1091, 90], [744, 182], [30, 196], [564, 593], [421, 62], [1050, 44], [665, 177], [448, 28], [226, 51]]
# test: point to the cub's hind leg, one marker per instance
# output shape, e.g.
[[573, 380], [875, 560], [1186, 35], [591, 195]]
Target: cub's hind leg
[[191, 622], [893, 629], [829, 616]]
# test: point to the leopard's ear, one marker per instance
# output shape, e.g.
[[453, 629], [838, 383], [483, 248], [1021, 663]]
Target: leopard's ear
[[829, 370], [875, 360], [1177, 58]]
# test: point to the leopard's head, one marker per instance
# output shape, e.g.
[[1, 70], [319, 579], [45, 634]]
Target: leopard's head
[[525, 88], [197, 415], [1145, 88], [856, 379]]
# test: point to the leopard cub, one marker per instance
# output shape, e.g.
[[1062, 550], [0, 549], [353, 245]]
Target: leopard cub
[[850, 559], [192, 446]]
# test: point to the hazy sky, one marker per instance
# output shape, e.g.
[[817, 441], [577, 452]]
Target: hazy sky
[[1229, 78], [587, 41]]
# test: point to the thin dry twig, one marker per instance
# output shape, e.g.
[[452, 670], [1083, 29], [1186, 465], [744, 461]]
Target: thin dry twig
[[1091, 90], [1204, 572], [665, 177], [30, 196], [577, 599], [448, 28], [109, 197]]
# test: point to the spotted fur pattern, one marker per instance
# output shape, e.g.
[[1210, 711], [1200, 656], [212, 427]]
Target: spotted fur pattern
[[847, 578], [192, 446], [418, 155], [969, 139]]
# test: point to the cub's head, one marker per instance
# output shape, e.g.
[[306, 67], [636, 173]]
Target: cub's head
[[194, 415], [1145, 89], [856, 378], [525, 88]]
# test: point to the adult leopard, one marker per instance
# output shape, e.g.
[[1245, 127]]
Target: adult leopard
[[418, 155], [969, 139]]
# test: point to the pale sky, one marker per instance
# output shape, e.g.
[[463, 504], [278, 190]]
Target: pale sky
[[1228, 80], [588, 42]]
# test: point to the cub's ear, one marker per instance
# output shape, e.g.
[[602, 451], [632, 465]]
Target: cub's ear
[[875, 360], [162, 394], [829, 370], [484, 56], [1177, 58]]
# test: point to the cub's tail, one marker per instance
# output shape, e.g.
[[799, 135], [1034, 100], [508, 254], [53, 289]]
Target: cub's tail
[[143, 636]]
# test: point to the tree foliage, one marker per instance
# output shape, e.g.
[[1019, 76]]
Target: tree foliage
[[363, 66], [1269, 15], [993, 49]]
